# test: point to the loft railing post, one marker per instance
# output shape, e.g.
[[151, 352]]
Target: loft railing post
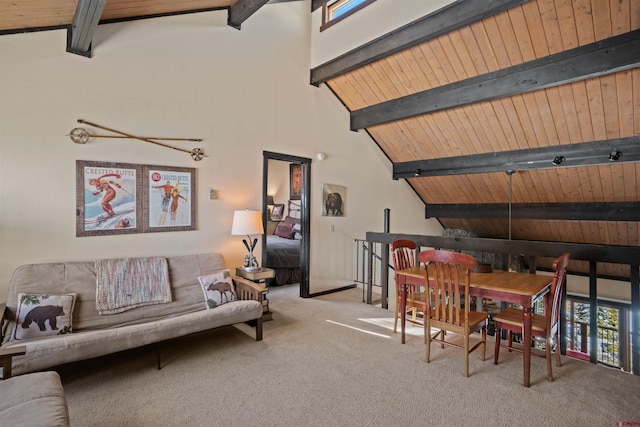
[[384, 265], [593, 312], [360, 266], [369, 271], [635, 319]]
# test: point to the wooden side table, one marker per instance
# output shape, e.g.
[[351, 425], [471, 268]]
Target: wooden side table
[[260, 276]]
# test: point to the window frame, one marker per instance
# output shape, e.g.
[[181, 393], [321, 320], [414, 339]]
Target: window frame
[[326, 12], [623, 356]]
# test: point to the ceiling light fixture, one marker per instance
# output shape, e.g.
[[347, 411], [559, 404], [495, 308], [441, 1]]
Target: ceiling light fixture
[[558, 160], [614, 155]]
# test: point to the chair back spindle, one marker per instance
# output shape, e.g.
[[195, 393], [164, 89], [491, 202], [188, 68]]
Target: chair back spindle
[[557, 285], [404, 254]]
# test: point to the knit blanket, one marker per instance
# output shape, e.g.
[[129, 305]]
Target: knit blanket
[[123, 284]]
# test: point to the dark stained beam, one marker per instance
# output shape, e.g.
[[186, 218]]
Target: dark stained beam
[[571, 155], [596, 59], [241, 10], [85, 23], [442, 21], [598, 211], [317, 4]]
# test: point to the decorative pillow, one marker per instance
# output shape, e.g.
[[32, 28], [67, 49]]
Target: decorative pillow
[[40, 315], [218, 288], [284, 230], [291, 220]]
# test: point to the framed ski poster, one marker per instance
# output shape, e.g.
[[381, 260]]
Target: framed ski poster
[[169, 198], [121, 198], [108, 198]]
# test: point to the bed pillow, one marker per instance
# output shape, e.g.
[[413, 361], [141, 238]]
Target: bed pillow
[[218, 288], [296, 232], [291, 220], [284, 230], [39, 315]]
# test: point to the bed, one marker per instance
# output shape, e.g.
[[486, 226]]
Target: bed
[[283, 247]]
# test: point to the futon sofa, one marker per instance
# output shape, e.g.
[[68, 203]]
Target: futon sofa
[[91, 334]]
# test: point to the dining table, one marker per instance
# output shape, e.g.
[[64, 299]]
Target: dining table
[[505, 286]]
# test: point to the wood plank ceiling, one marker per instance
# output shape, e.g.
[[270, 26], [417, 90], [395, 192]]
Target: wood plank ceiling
[[25, 15], [591, 112], [601, 108]]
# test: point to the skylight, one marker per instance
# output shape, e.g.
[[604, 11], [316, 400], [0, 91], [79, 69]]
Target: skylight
[[336, 10]]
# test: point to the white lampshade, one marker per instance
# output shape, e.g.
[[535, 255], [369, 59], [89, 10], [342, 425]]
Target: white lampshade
[[246, 223]]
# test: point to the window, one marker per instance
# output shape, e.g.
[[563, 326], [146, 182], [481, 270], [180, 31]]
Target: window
[[614, 340], [335, 11]]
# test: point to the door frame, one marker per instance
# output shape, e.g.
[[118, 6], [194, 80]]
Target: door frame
[[305, 205]]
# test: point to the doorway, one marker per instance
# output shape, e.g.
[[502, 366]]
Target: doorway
[[304, 203]]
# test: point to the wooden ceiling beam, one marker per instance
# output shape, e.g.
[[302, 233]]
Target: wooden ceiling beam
[[85, 23], [558, 156], [241, 10], [317, 4], [596, 59], [598, 211], [451, 17]]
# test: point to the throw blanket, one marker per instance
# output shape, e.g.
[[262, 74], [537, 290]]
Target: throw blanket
[[123, 284]]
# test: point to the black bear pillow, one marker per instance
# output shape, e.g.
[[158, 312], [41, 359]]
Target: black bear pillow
[[43, 314]]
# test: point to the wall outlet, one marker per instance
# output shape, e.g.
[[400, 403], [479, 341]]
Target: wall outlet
[[332, 228], [213, 194]]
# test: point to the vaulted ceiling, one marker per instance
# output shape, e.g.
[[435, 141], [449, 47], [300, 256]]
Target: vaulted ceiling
[[546, 90], [480, 88]]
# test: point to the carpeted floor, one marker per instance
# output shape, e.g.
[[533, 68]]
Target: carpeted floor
[[334, 361]]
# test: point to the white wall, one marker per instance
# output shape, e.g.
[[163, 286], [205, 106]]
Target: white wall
[[187, 76], [615, 290], [375, 20], [278, 181]]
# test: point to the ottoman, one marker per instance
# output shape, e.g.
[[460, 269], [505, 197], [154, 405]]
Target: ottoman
[[35, 399]]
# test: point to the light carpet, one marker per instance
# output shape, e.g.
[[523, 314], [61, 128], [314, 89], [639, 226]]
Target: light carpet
[[334, 361]]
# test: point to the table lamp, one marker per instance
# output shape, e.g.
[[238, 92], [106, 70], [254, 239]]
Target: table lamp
[[248, 223]]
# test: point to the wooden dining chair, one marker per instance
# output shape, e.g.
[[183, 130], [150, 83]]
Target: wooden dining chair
[[403, 254], [448, 276], [545, 326]]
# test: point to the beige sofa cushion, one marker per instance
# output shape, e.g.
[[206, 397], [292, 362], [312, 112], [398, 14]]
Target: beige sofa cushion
[[56, 350], [80, 278], [33, 400]]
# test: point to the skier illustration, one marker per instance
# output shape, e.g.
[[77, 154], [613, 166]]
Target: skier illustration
[[107, 187], [165, 199], [175, 196]]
